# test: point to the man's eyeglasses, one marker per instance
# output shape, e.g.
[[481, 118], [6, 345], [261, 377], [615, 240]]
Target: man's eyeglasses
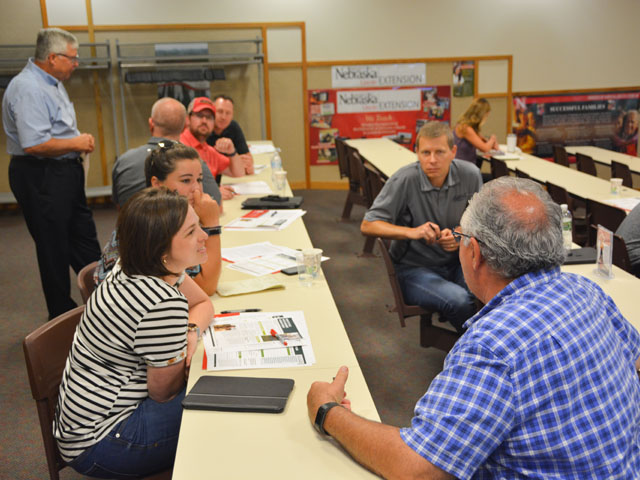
[[75, 59], [458, 236]]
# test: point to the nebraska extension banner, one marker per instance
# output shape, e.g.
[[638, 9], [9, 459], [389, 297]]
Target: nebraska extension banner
[[396, 113], [607, 120]]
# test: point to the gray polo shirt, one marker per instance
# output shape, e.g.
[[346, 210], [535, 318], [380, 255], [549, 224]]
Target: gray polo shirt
[[408, 199], [629, 230], [128, 174]]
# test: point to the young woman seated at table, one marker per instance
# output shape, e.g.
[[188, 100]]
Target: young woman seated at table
[[466, 134], [119, 406], [178, 167]]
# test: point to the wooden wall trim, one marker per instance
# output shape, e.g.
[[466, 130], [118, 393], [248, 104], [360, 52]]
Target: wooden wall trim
[[330, 63], [43, 12], [182, 26], [285, 65], [305, 106], [577, 90]]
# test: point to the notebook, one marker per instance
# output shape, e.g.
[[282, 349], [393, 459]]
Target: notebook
[[239, 394], [581, 255], [271, 201]]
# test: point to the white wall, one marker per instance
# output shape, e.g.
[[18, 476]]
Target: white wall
[[556, 44]]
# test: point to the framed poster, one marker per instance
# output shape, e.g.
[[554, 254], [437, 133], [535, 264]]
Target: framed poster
[[395, 113]]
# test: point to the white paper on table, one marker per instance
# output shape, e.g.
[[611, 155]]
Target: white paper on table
[[250, 188], [261, 220], [254, 354], [264, 265], [253, 250], [251, 285], [626, 204], [258, 168], [259, 148]]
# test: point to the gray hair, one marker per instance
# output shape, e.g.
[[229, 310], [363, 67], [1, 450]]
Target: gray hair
[[512, 240], [53, 40], [435, 130], [169, 116]]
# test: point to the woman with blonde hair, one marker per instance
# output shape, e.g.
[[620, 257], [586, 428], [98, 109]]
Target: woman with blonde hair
[[466, 133]]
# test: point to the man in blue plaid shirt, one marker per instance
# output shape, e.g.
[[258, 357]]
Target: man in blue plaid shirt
[[542, 385]]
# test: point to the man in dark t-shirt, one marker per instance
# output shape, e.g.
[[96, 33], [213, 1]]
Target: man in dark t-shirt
[[226, 128]]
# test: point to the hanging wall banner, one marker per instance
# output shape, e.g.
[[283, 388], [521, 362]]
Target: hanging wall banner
[[607, 120], [402, 74], [395, 113], [463, 78]]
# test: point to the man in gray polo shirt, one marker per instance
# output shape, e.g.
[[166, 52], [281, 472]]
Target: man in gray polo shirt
[[166, 122], [418, 208]]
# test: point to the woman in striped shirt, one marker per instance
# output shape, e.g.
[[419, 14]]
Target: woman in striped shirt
[[119, 407]]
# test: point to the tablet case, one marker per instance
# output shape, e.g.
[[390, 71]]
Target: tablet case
[[239, 394], [271, 202], [581, 255]]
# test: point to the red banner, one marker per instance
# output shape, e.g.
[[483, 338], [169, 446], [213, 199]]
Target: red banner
[[396, 113], [604, 119]]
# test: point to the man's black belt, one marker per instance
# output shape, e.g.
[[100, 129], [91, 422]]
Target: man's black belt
[[77, 160]]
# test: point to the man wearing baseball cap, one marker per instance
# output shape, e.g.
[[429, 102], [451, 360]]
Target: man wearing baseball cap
[[221, 160]]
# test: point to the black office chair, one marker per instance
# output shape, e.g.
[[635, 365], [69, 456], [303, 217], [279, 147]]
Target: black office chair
[[586, 164], [579, 213], [619, 254], [373, 183], [521, 174], [355, 196], [430, 335], [604, 214], [622, 170]]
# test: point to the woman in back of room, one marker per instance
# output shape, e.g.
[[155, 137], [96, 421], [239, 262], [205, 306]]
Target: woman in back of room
[[120, 402], [466, 133]]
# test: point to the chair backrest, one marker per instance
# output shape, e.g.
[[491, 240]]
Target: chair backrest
[[604, 214], [86, 285], [46, 350], [498, 168], [356, 171], [521, 174], [560, 155], [559, 194], [373, 183], [619, 255], [622, 170], [586, 164], [343, 161]]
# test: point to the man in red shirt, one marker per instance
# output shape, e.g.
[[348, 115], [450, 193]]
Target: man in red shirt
[[221, 160]]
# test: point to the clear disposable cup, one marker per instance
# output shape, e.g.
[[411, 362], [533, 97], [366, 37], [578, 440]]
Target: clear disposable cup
[[511, 143], [280, 180], [308, 262], [616, 185]]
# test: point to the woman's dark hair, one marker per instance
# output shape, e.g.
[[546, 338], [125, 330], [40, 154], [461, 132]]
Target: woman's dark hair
[[162, 160], [146, 226]]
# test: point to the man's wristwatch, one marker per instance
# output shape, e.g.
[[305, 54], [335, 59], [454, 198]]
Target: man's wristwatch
[[213, 230], [192, 327], [230, 154], [322, 415]]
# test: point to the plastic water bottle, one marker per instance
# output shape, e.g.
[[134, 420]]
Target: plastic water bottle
[[276, 164], [567, 237]]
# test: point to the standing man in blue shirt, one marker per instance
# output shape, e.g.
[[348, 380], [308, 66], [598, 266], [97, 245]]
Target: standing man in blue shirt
[[542, 384], [46, 174]]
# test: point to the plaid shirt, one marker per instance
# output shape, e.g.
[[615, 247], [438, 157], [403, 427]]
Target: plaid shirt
[[542, 385]]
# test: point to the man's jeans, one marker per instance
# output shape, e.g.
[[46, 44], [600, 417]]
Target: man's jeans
[[142, 444], [438, 288]]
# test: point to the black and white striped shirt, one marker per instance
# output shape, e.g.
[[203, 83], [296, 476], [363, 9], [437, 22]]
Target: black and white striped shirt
[[129, 323]]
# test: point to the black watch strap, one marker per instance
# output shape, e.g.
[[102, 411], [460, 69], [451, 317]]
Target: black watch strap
[[322, 415], [213, 230]]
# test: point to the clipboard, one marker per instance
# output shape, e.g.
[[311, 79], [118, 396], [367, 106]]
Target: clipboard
[[239, 394]]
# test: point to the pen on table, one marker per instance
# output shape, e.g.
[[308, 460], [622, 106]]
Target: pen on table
[[274, 213], [242, 310], [278, 336]]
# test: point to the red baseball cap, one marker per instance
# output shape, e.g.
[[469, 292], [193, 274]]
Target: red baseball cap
[[201, 103]]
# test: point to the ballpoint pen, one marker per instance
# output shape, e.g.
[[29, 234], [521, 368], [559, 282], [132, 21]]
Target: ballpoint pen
[[242, 310], [278, 336]]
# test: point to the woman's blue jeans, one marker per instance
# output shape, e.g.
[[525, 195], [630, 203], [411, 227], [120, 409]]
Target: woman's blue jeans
[[142, 444]]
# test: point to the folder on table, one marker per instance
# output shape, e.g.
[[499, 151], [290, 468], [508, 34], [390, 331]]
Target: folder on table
[[272, 202], [581, 255], [239, 394]]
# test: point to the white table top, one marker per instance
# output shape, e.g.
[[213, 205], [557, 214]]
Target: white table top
[[384, 154], [234, 445], [604, 156]]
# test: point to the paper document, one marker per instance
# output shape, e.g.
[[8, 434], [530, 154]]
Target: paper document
[[261, 220], [626, 204], [258, 340], [258, 168], [259, 148], [241, 287], [250, 188], [261, 258]]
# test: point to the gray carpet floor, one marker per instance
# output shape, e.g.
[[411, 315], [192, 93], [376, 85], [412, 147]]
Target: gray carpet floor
[[397, 369]]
